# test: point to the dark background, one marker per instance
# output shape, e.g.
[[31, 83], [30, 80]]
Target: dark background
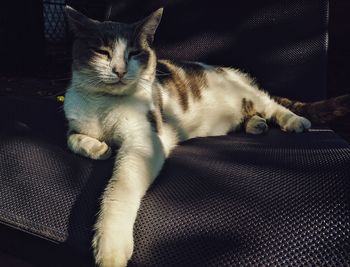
[[45, 72], [338, 58], [339, 47]]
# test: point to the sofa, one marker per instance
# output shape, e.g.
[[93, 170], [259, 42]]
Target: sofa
[[280, 199]]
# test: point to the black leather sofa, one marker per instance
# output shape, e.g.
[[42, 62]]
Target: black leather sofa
[[237, 200]]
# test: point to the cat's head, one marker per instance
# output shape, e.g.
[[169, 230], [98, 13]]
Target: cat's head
[[112, 57]]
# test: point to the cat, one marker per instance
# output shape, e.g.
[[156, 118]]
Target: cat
[[122, 95]]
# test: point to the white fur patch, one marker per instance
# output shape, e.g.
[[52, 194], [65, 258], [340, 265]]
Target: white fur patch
[[119, 55]]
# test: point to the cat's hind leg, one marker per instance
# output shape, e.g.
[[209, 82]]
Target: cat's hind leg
[[294, 123], [286, 119], [88, 146], [264, 108]]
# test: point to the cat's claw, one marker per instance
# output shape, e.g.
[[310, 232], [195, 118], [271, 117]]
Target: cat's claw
[[297, 124]]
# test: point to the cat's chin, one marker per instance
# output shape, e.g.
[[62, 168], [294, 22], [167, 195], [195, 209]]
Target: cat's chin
[[114, 83], [119, 88]]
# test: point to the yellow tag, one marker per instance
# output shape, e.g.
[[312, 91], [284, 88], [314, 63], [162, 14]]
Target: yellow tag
[[60, 98]]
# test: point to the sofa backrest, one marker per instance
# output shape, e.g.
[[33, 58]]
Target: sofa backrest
[[282, 43]]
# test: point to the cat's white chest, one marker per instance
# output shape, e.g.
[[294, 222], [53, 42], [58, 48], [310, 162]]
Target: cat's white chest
[[82, 114], [105, 118]]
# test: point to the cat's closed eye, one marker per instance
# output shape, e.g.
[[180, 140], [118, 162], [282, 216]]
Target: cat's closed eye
[[103, 52], [134, 53]]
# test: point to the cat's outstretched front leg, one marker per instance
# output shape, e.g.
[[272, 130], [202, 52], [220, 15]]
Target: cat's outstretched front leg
[[138, 162], [88, 146]]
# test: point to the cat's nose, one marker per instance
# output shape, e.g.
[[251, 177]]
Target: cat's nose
[[120, 72]]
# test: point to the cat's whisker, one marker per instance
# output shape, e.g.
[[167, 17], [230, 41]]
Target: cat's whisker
[[89, 82], [130, 78]]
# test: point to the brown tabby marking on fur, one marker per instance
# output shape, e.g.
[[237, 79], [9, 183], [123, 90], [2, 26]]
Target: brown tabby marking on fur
[[155, 118], [181, 79], [158, 99], [177, 83], [319, 112], [248, 110], [195, 85], [163, 76], [195, 76]]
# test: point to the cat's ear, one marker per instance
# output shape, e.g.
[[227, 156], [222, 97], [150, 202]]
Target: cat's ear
[[147, 27], [81, 25]]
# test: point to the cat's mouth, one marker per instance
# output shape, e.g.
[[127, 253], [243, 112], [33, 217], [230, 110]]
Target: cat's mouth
[[120, 82]]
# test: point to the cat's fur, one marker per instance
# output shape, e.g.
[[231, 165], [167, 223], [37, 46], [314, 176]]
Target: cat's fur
[[121, 94]]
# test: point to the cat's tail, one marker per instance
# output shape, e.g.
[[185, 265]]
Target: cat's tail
[[320, 112]]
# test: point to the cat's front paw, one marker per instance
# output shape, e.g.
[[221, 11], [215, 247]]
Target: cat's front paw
[[112, 249], [296, 124], [100, 151], [89, 147]]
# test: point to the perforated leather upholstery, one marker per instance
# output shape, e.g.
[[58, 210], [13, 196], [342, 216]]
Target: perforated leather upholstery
[[236, 200]]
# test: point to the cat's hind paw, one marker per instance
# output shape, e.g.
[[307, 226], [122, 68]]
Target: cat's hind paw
[[256, 125], [297, 124]]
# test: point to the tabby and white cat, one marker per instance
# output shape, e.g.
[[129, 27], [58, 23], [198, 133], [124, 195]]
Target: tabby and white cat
[[121, 94]]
